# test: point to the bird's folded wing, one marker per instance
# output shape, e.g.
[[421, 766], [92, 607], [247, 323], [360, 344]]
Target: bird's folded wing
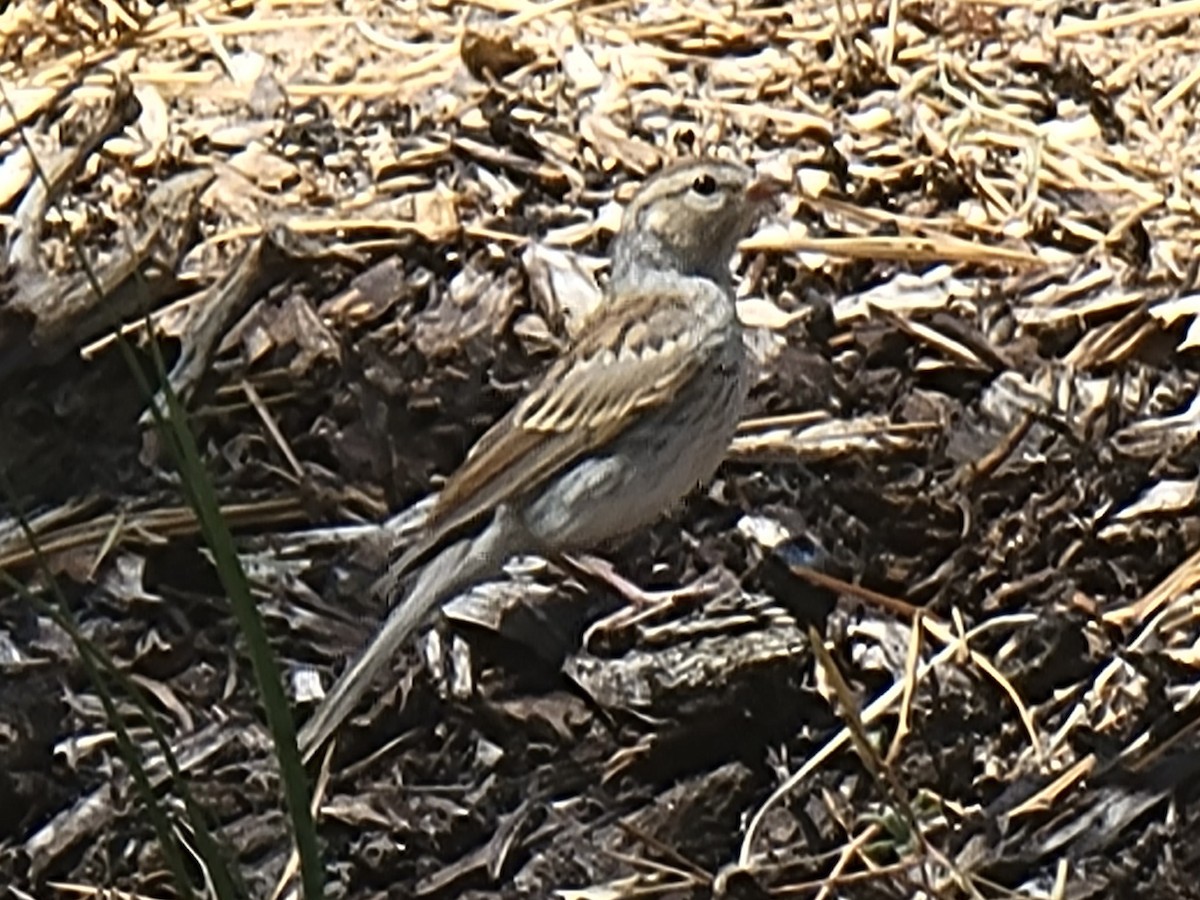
[[635, 356]]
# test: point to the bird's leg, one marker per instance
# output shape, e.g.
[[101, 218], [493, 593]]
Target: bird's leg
[[642, 604]]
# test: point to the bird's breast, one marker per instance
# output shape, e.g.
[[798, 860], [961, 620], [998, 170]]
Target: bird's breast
[[662, 456]]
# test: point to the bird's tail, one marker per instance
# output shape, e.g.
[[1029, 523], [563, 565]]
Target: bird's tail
[[459, 565]]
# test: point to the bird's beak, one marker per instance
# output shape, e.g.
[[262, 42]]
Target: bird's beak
[[765, 188]]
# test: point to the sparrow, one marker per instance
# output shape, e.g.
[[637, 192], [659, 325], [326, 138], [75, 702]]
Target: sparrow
[[630, 419]]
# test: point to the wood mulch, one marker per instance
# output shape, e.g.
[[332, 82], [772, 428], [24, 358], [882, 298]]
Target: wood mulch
[[938, 632]]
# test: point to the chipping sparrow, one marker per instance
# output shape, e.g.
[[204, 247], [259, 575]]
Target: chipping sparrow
[[634, 416]]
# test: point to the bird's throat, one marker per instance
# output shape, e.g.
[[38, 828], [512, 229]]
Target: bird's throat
[[635, 255]]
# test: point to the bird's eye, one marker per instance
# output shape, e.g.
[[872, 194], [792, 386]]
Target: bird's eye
[[705, 185]]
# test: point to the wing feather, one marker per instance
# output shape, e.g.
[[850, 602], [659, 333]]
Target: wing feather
[[633, 358]]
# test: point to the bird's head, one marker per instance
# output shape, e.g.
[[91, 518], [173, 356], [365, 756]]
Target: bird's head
[[689, 217]]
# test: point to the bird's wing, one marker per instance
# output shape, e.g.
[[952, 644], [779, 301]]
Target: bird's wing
[[636, 354]]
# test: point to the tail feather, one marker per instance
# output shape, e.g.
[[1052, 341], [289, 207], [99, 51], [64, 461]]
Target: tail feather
[[458, 566]]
